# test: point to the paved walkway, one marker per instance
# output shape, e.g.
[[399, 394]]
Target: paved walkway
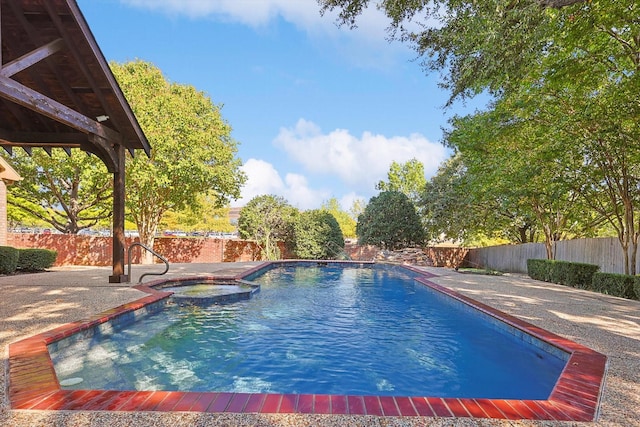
[[38, 302]]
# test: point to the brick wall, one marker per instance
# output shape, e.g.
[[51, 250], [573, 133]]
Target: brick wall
[[93, 250]]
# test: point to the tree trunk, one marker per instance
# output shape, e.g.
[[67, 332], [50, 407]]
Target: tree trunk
[[147, 234]]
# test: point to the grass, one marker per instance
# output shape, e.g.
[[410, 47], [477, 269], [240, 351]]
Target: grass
[[486, 272]]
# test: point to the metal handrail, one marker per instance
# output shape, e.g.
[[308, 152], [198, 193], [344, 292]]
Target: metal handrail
[[342, 252], [166, 263]]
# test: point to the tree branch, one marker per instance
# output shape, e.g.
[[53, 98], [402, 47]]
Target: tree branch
[[558, 4]]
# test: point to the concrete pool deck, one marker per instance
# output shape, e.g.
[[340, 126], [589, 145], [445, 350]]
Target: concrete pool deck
[[39, 302]]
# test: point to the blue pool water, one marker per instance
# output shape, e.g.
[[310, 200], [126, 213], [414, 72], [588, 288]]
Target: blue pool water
[[321, 330]]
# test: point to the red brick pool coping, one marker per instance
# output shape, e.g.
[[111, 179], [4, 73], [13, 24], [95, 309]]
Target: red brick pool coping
[[33, 384]]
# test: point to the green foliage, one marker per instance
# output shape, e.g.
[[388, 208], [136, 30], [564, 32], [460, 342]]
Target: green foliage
[[557, 148], [539, 269], [390, 221], [36, 259], [268, 219], [636, 287], [8, 259], [619, 285], [357, 208], [68, 193], [407, 178], [193, 152], [346, 222], [317, 235], [574, 274], [205, 216]]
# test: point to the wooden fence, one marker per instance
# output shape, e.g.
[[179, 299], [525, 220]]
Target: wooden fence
[[604, 252]]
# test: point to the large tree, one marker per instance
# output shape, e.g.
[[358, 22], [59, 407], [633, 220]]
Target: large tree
[[346, 222], [193, 152], [407, 178], [69, 193], [268, 219], [571, 68], [204, 217], [390, 221]]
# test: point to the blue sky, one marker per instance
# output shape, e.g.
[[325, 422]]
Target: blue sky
[[318, 111]]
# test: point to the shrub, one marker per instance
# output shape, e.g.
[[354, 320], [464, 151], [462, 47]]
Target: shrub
[[636, 287], [8, 259], [36, 259], [575, 274], [539, 269], [619, 285], [317, 235]]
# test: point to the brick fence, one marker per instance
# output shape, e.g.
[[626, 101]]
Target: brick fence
[[93, 250]]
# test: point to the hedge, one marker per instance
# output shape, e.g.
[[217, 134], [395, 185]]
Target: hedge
[[8, 259], [619, 285], [539, 269], [574, 274], [36, 259]]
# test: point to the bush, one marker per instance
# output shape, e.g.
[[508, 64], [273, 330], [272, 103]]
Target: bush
[[390, 221], [574, 274], [36, 259], [619, 285], [8, 259], [317, 235], [636, 287], [539, 269]]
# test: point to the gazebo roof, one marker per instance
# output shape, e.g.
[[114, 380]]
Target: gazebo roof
[[56, 88], [57, 91]]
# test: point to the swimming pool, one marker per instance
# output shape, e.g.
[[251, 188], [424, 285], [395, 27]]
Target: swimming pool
[[322, 329], [33, 384]]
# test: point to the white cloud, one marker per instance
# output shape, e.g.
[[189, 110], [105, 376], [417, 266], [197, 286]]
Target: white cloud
[[357, 163], [304, 14], [360, 162], [263, 178]]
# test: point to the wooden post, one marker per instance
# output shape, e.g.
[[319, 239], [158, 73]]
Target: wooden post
[[118, 275]]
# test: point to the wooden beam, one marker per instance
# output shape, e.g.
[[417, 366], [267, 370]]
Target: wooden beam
[[55, 139], [29, 98], [105, 151], [118, 240], [31, 58]]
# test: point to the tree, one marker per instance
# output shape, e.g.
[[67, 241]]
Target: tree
[[193, 152], [268, 219], [346, 222], [317, 235], [357, 208], [205, 217], [390, 221], [69, 193], [407, 178]]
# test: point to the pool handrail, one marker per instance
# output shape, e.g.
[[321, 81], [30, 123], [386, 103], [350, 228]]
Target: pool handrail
[[148, 249]]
